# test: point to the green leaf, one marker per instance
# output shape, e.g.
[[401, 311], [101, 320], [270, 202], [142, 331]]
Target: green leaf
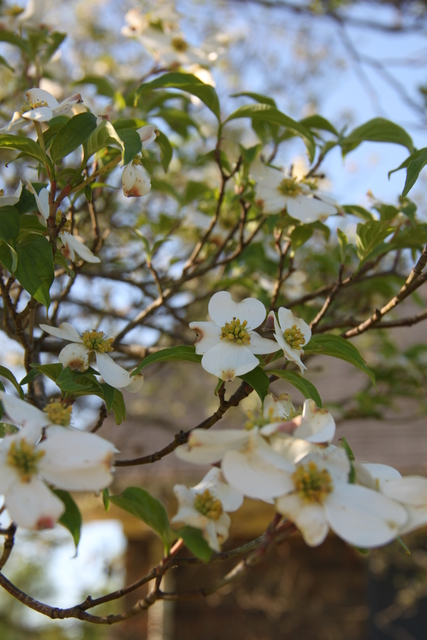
[[377, 130], [370, 235], [414, 164], [74, 133], [118, 406], [104, 87], [106, 499], [51, 371], [355, 210], [9, 376], [272, 115], [258, 380], [132, 144], [337, 347], [180, 353], [107, 394], [103, 136], [343, 242], [9, 223], [79, 383], [26, 145], [258, 97], [350, 455], [166, 150], [144, 506], [185, 82], [13, 38], [307, 389], [55, 40], [35, 269], [195, 542], [319, 122], [300, 235], [7, 429], [5, 63], [71, 519]]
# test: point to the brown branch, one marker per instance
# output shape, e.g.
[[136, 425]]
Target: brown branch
[[9, 541], [329, 300]]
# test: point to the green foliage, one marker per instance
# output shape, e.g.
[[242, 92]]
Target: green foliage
[[180, 353], [258, 380], [73, 134], [337, 347], [71, 519], [377, 130], [307, 389], [195, 542]]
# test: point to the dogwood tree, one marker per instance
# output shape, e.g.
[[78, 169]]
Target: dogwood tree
[[157, 190]]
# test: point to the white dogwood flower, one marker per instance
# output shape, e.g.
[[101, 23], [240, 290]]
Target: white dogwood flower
[[204, 507], [23, 413], [10, 200], [76, 355], [71, 245], [249, 464], [275, 192], [66, 459], [322, 498], [148, 133], [409, 491], [40, 106], [135, 180], [172, 48], [228, 344], [292, 334]]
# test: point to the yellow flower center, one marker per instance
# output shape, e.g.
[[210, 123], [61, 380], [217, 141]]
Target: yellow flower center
[[294, 337], [35, 104], [311, 483], [236, 331], [23, 456], [208, 506], [289, 187], [58, 412], [179, 44], [95, 341]]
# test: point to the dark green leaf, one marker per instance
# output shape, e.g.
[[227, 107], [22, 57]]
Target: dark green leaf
[[377, 130], [72, 135], [307, 389], [13, 38], [185, 82], [71, 519], [132, 144], [103, 136], [319, 122], [26, 145], [9, 376], [272, 115], [258, 380], [370, 235], [300, 235], [184, 352], [355, 210], [108, 394], [337, 347], [35, 269], [258, 97], [119, 407], [9, 223], [166, 150], [144, 506], [195, 542]]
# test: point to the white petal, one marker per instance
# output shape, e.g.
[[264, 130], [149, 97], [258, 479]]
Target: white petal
[[230, 498], [222, 526], [41, 114], [227, 360], [75, 356], [148, 134], [42, 200], [280, 407], [208, 335], [135, 181], [222, 309], [307, 210], [33, 505], [373, 475], [78, 247], [65, 331], [210, 535], [333, 459], [254, 476], [136, 385], [21, 412], [66, 105], [362, 517], [35, 96], [8, 475], [6, 201], [112, 373], [317, 425], [76, 460], [207, 447], [15, 124], [417, 517], [292, 449], [308, 517], [262, 345], [293, 355], [287, 320], [409, 490]]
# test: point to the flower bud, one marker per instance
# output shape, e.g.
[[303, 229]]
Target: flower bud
[[148, 134], [135, 181]]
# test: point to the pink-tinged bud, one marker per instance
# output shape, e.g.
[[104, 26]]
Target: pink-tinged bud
[[148, 134], [135, 181], [99, 119]]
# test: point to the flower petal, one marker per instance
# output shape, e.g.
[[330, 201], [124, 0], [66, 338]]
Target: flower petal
[[39, 96], [308, 517], [65, 331], [78, 247], [409, 490], [227, 360], [112, 373], [222, 309], [262, 345], [21, 412], [362, 517], [206, 447], [42, 200], [317, 425], [32, 505], [148, 134], [66, 105], [287, 320], [136, 385], [75, 356], [135, 181], [230, 498], [208, 336], [41, 114], [308, 210]]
